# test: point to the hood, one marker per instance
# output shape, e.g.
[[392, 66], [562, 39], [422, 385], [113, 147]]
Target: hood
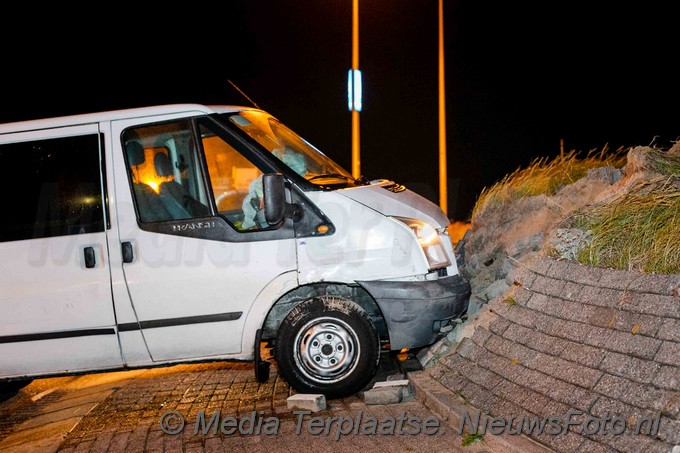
[[392, 199]]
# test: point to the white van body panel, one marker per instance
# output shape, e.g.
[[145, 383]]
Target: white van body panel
[[37, 304], [31, 272], [60, 356], [382, 197], [132, 345], [133, 349], [366, 245], [34, 128], [255, 317]]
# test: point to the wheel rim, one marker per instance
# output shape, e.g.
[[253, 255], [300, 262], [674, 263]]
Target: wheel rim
[[326, 350]]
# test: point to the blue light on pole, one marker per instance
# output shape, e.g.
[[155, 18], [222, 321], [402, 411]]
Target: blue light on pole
[[354, 90]]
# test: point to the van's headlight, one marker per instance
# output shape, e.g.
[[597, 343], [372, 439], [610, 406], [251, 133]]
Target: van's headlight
[[428, 238]]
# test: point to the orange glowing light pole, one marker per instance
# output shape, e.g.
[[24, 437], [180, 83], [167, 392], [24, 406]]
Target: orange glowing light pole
[[356, 160], [443, 194]]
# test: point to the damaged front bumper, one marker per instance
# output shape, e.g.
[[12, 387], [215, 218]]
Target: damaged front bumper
[[417, 313]]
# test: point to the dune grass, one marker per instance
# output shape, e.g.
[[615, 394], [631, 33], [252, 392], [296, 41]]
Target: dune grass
[[636, 231], [545, 176], [639, 231], [664, 163]]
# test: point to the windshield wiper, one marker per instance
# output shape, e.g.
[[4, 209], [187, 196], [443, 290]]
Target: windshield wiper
[[331, 175]]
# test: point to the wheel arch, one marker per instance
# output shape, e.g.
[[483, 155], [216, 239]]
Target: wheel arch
[[354, 293], [259, 310]]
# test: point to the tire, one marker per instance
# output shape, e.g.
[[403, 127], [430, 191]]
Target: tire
[[327, 345]]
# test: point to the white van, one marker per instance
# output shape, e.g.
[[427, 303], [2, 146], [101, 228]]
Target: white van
[[182, 233]]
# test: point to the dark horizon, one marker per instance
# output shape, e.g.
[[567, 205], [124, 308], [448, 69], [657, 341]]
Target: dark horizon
[[518, 79]]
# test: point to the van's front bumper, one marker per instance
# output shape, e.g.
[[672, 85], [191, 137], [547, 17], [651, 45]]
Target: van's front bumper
[[418, 312]]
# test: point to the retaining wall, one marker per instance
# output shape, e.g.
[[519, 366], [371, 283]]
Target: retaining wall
[[568, 337]]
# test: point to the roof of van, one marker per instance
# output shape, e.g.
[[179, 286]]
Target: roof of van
[[110, 115]]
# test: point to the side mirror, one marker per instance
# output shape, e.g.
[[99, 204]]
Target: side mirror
[[274, 194]]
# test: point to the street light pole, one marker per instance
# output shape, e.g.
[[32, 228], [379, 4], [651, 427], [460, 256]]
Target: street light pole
[[443, 194], [356, 160]]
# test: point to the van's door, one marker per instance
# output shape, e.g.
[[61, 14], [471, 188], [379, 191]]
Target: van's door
[[56, 308], [194, 269]]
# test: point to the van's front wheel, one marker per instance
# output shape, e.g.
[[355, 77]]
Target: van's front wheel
[[327, 345]]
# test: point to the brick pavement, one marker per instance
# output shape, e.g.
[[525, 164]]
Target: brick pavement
[[128, 419]]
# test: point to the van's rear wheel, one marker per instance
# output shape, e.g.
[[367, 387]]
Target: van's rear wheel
[[327, 345]]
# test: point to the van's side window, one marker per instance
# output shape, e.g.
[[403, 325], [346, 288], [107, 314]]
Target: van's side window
[[60, 188], [236, 183], [165, 172]]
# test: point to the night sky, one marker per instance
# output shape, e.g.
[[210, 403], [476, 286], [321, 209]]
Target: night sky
[[519, 77]]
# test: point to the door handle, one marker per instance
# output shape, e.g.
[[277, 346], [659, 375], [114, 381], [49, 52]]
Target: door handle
[[90, 260], [128, 254]]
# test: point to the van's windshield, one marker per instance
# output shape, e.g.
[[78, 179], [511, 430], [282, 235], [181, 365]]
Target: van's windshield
[[291, 149]]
